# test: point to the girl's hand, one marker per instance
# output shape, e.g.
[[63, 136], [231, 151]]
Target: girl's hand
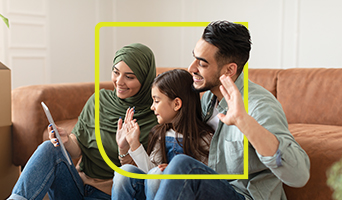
[[133, 134], [162, 166], [121, 131], [62, 133]]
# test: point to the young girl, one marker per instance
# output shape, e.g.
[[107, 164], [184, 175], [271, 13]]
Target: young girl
[[180, 131]]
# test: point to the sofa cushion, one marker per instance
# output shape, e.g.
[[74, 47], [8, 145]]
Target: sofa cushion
[[311, 96], [322, 143]]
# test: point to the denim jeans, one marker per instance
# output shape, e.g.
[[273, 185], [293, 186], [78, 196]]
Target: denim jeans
[[193, 188], [47, 171], [129, 188], [172, 147]]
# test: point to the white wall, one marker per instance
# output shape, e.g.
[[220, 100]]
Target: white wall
[[72, 32], [53, 41], [285, 33], [23, 47]]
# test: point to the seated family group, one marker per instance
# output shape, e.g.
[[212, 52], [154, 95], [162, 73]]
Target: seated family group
[[160, 125]]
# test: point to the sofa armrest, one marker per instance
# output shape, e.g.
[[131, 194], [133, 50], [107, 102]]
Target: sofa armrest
[[65, 102]]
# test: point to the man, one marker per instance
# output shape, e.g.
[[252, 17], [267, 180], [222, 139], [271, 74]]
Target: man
[[274, 156]]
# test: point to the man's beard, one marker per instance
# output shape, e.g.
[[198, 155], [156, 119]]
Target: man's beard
[[199, 90], [208, 86]]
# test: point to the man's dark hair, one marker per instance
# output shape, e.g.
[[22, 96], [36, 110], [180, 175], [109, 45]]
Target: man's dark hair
[[232, 40]]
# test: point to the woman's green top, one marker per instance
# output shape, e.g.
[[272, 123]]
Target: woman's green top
[[141, 61]]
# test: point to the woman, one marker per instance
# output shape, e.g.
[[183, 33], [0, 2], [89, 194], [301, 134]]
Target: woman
[[48, 171]]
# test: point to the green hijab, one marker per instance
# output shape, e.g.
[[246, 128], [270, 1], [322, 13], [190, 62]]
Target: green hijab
[[141, 61]]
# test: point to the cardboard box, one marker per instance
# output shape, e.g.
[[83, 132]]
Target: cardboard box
[[8, 172], [5, 96]]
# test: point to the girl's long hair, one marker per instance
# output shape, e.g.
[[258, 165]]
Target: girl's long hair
[[188, 120]]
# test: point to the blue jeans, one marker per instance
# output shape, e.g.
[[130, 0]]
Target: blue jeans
[[48, 171], [172, 147], [193, 188], [129, 188]]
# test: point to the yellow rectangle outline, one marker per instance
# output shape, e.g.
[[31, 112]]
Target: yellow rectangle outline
[[97, 105]]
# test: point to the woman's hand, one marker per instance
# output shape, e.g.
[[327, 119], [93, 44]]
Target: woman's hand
[[121, 131], [62, 133], [162, 166], [121, 136], [69, 140]]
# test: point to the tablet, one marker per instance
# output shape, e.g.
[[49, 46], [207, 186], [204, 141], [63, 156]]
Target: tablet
[[49, 117]]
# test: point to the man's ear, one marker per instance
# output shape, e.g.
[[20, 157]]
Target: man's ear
[[177, 103], [229, 69]]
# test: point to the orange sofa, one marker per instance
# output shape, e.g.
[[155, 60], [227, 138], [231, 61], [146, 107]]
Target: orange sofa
[[310, 98]]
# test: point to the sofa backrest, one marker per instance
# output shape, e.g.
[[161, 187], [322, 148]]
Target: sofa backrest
[[311, 96], [267, 78], [160, 70], [65, 102], [308, 95]]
